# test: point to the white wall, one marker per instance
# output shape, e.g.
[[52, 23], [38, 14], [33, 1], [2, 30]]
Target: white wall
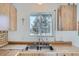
[[67, 36], [24, 11], [22, 33]]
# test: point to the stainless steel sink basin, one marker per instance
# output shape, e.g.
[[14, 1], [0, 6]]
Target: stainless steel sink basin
[[39, 47]]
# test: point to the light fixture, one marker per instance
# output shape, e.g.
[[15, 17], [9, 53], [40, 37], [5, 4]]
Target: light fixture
[[40, 3]]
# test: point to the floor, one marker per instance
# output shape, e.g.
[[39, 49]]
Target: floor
[[12, 50]]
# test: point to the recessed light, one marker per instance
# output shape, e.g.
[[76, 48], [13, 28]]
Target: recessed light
[[40, 3]]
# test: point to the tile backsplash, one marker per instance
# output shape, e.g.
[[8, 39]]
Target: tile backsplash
[[3, 38]]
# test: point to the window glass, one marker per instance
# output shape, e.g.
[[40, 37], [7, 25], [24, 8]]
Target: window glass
[[41, 24]]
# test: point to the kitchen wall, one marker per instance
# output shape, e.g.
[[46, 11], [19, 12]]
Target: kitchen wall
[[22, 32]]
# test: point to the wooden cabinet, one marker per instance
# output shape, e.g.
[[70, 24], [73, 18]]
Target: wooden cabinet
[[67, 18], [13, 18], [9, 10], [4, 9]]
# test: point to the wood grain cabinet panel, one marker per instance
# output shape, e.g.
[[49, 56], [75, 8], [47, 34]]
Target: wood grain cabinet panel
[[4, 9], [13, 18], [67, 18]]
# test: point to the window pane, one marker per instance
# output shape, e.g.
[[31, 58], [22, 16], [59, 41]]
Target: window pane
[[40, 23]]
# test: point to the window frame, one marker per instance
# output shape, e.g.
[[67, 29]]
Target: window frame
[[52, 26]]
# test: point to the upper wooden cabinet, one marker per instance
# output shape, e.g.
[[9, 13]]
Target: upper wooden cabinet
[[13, 18], [4, 9], [9, 10], [67, 18]]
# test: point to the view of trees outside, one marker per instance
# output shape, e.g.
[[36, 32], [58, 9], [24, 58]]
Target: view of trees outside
[[40, 23]]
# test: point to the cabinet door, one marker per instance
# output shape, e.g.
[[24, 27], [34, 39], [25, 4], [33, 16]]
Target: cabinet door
[[4, 9], [13, 18], [67, 18]]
